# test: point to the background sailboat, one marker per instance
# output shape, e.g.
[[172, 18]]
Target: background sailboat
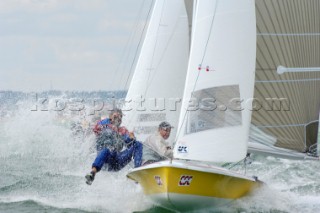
[[214, 128], [285, 116]]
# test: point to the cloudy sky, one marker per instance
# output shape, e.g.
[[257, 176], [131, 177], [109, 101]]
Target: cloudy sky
[[69, 44]]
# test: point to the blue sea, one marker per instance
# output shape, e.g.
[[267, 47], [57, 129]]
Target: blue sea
[[43, 160]]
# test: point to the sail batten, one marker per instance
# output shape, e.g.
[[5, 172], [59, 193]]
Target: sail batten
[[287, 64]]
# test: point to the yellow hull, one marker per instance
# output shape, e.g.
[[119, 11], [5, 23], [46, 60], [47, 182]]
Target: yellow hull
[[178, 185]]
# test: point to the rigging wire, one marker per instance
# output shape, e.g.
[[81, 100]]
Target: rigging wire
[[152, 73], [125, 52], [203, 56], [162, 56], [155, 46], [149, 81], [137, 49], [145, 28]]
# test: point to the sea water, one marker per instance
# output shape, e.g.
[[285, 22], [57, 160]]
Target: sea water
[[43, 164]]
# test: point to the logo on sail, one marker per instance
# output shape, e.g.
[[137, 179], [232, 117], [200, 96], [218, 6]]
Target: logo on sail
[[158, 180], [185, 180], [183, 149]]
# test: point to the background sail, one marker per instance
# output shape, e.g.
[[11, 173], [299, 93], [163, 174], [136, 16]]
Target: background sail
[[189, 8], [158, 81], [287, 105], [220, 74]]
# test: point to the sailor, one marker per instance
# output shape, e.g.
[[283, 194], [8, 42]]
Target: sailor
[[156, 148], [115, 145]]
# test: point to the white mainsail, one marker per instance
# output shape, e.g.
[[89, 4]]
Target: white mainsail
[[214, 127], [157, 85], [286, 114]]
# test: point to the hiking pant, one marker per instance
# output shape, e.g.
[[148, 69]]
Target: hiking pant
[[117, 160]]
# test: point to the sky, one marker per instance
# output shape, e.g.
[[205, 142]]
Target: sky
[[73, 45]]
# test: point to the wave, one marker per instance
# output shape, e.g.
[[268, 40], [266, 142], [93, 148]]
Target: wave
[[43, 164], [34, 206]]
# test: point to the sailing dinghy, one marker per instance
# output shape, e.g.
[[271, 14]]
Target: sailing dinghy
[[203, 51]]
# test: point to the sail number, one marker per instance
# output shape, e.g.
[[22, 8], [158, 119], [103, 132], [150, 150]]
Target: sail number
[[185, 180], [158, 180]]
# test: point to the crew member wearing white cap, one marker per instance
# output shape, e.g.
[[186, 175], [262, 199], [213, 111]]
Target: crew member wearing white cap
[[155, 147]]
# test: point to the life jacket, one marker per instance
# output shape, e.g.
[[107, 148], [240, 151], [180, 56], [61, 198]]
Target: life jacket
[[109, 136]]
